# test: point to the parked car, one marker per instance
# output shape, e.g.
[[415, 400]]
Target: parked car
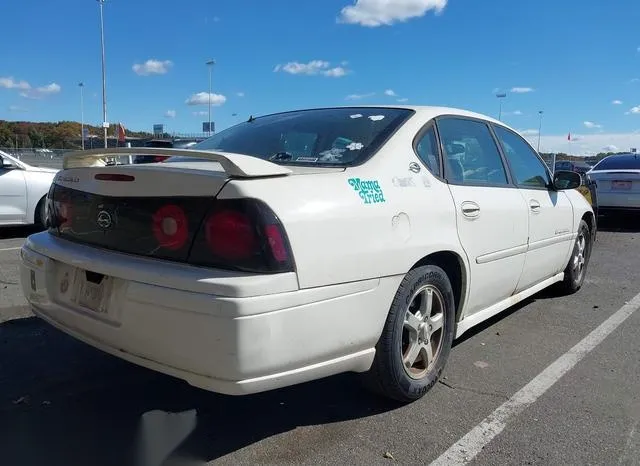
[[303, 244], [617, 179], [23, 191], [161, 143]]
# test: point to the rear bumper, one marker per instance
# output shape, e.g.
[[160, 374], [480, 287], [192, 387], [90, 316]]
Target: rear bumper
[[227, 344], [621, 200]]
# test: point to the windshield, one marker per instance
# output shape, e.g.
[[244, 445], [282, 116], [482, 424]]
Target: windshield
[[335, 136], [619, 162]]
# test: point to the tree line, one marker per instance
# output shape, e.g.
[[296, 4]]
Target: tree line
[[50, 135]]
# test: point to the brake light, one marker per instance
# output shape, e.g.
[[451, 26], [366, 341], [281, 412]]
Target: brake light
[[230, 235], [160, 158], [170, 227], [276, 242], [242, 234]]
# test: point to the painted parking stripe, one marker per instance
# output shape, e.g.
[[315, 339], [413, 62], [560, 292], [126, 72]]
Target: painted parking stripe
[[10, 249], [468, 447]]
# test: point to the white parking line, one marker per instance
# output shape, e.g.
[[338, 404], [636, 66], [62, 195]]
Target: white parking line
[[10, 249], [468, 447]]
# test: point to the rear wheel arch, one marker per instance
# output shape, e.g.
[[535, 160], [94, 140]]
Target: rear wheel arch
[[454, 267]]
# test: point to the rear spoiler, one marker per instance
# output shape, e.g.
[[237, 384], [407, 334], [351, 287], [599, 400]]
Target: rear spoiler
[[237, 165]]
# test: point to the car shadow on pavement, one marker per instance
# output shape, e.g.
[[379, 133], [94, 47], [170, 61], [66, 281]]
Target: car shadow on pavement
[[65, 403], [620, 223], [18, 232]]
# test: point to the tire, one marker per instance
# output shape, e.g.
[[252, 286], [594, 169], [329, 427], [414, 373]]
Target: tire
[[40, 216], [391, 375], [576, 269]]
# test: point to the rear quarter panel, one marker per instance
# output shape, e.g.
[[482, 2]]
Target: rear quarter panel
[[342, 228]]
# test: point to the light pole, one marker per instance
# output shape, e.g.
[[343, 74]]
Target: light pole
[[500, 96], [540, 112], [105, 124], [81, 85], [210, 64]]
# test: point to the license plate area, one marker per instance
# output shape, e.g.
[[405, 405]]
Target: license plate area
[[88, 292], [621, 185], [93, 288]]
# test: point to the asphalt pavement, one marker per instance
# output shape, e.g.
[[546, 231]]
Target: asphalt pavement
[[64, 403]]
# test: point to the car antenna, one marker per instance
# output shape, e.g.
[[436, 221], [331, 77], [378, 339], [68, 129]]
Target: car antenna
[[251, 119]]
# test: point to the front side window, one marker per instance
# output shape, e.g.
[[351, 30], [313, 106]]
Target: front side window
[[470, 153], [333, 136], [427, 150], [529, 171]]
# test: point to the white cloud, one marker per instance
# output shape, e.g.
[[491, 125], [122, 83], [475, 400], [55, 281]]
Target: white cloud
[[42, 91], [591, 125], [16, 108], [515, 113], [390, 93], [170, 113], [610, 148], [616, 102], [635, 80], [528, 132], [152, 66], [359, 96], [336, 72], [10, 83], [240, 94], [374, 13], [314, 67], [521, 90], [635, 110], [202, 98], [201, 113], [404, 99]]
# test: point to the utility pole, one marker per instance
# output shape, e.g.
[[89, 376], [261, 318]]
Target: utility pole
[[81, 85], [105, 124], [210, 64], [540, 112], [500, 96]]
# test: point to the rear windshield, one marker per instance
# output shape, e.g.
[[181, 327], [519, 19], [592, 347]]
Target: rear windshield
[[336, 136], [619, 162]]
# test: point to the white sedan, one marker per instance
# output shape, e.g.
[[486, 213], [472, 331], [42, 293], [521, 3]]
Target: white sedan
[[23, 191], [303, 244]]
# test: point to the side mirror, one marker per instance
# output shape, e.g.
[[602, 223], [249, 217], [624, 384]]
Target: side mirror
[[563, 179]]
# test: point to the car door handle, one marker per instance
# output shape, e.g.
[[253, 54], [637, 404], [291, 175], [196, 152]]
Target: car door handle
[[534, 205], [470, 209]]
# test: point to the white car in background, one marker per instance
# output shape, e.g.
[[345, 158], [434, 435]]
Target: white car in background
[[23, 191], [617, 180], [303, 244]]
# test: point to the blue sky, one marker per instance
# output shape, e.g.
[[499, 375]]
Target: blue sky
[[570, 58]]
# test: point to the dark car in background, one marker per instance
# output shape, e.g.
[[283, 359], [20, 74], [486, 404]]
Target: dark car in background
[[164, 144]]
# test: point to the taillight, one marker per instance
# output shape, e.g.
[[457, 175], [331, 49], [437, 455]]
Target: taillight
[[230, 235], [160, 158], [170, 227], [242, 234], [59, 210]]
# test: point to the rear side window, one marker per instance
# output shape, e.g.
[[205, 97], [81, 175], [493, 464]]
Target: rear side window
[[332, 136], [427, 150], [527, 168], [619, 162], [470, 153]]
